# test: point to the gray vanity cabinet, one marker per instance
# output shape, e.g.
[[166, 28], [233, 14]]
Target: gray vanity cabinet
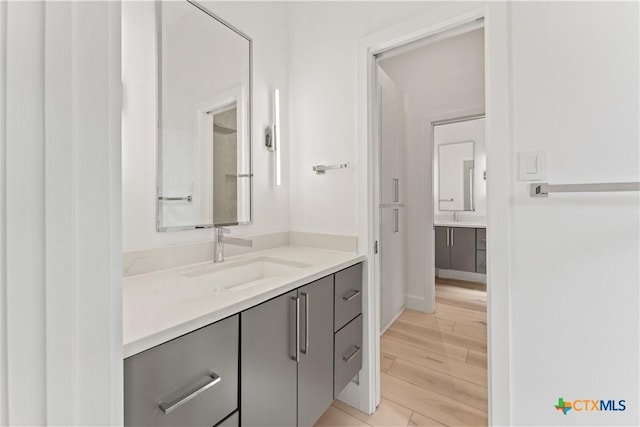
[[189, 381], [456, 248], [269, 369], [481, 250], [287, 358], [443, 250], [348, 326], [463, 249], [315, 368]]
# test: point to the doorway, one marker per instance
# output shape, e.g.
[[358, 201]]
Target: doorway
[[430, 180]]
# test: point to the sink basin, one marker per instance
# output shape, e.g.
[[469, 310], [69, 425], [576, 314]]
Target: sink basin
[[240, 275]]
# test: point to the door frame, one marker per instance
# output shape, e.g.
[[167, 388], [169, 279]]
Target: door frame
[[499, 211]]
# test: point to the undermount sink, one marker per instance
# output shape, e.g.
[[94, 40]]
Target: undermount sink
[[240, 275]]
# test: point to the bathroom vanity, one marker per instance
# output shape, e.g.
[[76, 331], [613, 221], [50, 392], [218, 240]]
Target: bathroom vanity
[[461, 247], [269, 338]]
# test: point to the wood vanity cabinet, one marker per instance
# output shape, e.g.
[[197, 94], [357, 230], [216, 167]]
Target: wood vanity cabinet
[[287, 357], [456, 248]]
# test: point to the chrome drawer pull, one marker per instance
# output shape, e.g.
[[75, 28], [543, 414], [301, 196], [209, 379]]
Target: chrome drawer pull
[[353, 354], [167, 407], [351, 295]]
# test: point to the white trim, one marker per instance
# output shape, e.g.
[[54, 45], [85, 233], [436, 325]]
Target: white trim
[[498, 92], [461, 275], [3, 210], [61, 214], [393, 319], [497, 101], [419, 304], [60, 231]]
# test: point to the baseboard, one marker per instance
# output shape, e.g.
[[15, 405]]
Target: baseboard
[[393, 319], [351, 394], [418, 304], [461, 275]]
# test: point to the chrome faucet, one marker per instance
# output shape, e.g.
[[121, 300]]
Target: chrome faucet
[[455, 216], [220, 240]]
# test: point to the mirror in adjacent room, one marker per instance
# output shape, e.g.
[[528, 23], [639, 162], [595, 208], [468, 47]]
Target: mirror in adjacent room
[[455, 176], [204, 119]]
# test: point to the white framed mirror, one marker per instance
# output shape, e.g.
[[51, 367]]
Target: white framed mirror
[[204, 171]]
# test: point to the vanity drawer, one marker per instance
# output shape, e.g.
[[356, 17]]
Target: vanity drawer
[[348, 295], [189, 381], [481, 238], [348, 354], [232, 421]]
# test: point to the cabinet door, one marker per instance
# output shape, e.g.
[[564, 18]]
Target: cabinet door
[[268, 368], [481, 262], [463, 249], [315, 369], [443, 250], [392, 255], [392, 147], [481, 238]]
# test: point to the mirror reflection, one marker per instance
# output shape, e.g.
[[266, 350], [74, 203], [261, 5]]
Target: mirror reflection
[[204, 140], [455, 176]]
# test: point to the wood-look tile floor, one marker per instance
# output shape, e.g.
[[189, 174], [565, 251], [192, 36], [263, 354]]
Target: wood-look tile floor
[[433, 366]]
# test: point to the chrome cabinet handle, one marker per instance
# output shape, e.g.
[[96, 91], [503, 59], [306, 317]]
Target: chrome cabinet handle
[[448, 237], [348, 357], [445, 200], [167, 407], [452, 242], [396, 225], [396, 190], [351, 295], [306, 322], [296, 355]]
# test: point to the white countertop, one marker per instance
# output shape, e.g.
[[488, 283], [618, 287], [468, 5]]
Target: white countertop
[[160, 306], [468, 224]]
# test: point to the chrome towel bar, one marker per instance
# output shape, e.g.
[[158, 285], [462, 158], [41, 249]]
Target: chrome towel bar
[[543, 189], [188, 198], [320, 169]]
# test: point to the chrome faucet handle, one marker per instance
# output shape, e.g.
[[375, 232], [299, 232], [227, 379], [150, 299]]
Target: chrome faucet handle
[[222, 230]]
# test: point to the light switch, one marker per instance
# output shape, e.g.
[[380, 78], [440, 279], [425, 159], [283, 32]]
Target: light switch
[[531, 166]]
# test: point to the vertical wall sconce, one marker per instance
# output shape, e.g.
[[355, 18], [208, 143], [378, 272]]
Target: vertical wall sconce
[[272, 136]]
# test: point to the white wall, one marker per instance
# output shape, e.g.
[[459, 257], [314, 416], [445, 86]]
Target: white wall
[[575, 271], [262, 21], [440, 80], [324, 42]]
